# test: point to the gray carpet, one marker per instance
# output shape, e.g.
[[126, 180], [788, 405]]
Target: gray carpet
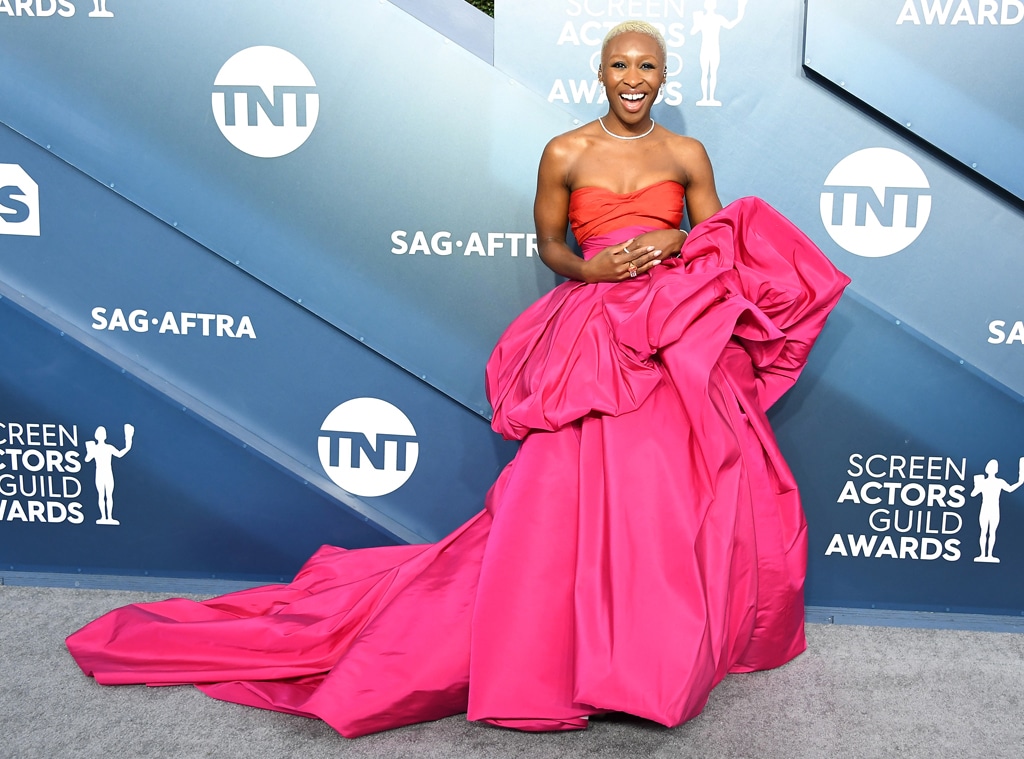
[[857, 692]]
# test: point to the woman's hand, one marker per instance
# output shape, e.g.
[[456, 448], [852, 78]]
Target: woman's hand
[[618, 263], [668, 241]]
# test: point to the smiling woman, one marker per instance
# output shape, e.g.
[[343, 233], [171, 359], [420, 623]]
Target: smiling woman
[[622, 152]]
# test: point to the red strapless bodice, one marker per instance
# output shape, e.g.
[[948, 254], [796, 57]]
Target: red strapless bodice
[[598, 211]]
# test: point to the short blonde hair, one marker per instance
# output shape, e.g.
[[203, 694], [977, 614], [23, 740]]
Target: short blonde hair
[[640, 27]]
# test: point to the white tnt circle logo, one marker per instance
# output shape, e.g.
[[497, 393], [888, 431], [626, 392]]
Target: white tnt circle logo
[[19, 202], [875, 202], [265, 101], [368, 447]]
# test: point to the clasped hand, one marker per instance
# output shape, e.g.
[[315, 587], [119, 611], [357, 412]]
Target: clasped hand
[[636, 256]]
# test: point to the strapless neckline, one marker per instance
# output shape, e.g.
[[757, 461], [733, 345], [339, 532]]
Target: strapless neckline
[[645, 188], [596, 211]]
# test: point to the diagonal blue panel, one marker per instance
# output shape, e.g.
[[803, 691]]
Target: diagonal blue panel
[[418, 136], [945, 70], [191, 501], [930, 425], [457, 20], [272, 388]]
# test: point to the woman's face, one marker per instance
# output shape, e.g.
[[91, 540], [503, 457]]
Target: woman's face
[[632, 69]]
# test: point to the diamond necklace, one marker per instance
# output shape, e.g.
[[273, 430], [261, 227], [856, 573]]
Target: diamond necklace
[[619, 136]]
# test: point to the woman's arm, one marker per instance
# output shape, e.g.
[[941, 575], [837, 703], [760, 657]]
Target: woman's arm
[[701, 195], [551, 212]]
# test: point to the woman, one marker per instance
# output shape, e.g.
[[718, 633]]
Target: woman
[[646, 540], [623, 152]]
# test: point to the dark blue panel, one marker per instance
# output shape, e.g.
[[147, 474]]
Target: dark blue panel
[[874, 389], [190, 501]]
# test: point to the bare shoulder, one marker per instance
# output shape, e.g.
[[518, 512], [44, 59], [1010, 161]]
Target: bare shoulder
[[686, 150], [692, 163], [569, 145], [689, 159]]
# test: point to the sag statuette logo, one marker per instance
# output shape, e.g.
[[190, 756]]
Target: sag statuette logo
[[265, 101], [368, 447], [990, 487], [875, 202], [19, 202], [709, 23], [102, 454]]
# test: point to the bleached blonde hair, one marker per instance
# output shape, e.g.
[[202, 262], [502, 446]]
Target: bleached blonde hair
[[640, 27]]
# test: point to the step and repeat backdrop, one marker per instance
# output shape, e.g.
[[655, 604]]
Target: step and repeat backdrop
[[253, 261]]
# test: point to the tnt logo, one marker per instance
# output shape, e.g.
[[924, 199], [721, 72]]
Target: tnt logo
[[368, 447], [265, 101], [19, 202], [876, 202]]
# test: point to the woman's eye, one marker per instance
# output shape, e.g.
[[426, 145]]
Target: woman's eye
[[647, 66], [618, 65]]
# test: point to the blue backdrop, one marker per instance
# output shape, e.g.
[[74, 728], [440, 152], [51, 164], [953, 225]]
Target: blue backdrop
[[283, 258]]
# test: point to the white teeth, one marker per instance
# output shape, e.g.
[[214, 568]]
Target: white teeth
[[633, 96]]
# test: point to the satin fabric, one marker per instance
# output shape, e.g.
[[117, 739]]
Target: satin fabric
[[646, 540]]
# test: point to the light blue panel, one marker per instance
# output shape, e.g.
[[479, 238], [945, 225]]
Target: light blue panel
[[462, 23], [417, 135], [946, 70]]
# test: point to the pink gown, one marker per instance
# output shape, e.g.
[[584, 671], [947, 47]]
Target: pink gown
[[646, 540]]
